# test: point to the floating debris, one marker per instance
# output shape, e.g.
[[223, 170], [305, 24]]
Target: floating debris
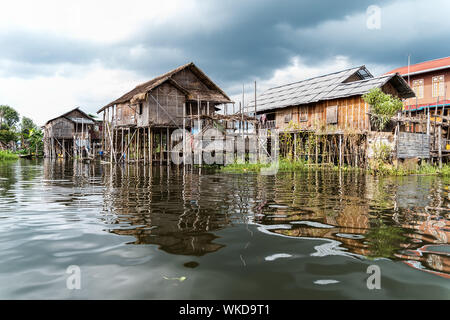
[[277, 256], [325, 282]]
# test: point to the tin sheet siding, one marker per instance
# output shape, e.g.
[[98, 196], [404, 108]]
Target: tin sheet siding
[[413, 145]]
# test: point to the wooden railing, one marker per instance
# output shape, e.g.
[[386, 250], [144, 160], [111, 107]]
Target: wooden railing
[[271, 124]]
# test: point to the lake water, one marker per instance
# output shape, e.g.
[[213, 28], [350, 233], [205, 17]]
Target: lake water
[[154, 233]]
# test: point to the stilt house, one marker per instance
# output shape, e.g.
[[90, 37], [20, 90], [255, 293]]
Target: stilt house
[[139, 124], [73, 134], [325, 118]]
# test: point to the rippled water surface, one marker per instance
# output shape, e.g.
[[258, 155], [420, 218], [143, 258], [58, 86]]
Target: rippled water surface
[[153, 233]]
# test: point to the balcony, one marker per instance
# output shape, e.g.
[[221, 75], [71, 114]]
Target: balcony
[[270, 124]]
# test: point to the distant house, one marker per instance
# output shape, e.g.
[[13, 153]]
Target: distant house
[[333, 100], [73, 134], [430, 80], [139, 124]]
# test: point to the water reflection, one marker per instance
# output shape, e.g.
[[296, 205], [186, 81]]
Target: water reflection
[[396, 218], [177, 212], [405, 219]]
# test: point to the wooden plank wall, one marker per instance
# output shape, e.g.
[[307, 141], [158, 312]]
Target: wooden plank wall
[[352, 113]]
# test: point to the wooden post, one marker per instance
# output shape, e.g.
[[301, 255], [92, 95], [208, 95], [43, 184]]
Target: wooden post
[[103, 132], [168, 146], [190, 114], [317, 150], [184, 134], [150, 145], [340, 150], [161, 154], [136, 158], [199, 132], [138, 145], [122, 148], [295, 143], [128, 145], [144, 151], [440, 146]]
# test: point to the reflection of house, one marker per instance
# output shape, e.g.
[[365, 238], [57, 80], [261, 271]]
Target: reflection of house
[[73, 134], [348, 227], [174, 220]]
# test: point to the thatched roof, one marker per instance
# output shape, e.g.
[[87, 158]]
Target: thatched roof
[[215, 94]]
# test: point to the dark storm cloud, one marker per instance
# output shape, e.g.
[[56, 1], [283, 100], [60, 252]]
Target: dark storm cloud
[[244, 40], [257, 38]]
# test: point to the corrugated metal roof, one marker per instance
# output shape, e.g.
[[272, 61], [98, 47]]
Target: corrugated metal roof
[[82, 120], [423, 66], [302, 92], [326, 87]]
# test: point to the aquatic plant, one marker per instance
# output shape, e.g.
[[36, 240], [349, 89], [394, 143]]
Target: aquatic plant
[[7, 155]]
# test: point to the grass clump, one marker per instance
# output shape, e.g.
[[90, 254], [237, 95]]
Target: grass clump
[[7, 155]]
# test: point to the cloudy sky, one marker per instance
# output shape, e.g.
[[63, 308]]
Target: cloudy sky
[[56, 55]]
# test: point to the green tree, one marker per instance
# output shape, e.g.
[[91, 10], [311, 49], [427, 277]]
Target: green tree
[[26, 126], [8, 120], [382, 107], [35, 140], [8, 117]]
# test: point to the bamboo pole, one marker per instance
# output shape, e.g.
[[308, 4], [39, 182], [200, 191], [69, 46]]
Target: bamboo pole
[[161, 154], [128, 144], [199, 132], [144, 151], [168, 146], [150, 145], [122, 146], [138, 145], [150, 156], [440, 146], [184, 134]]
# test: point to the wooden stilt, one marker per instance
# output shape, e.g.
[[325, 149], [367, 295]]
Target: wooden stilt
[[439, 129], [168, 146], [161, 154], [138, 146], [145, 145], [199, 133], [184, 134]]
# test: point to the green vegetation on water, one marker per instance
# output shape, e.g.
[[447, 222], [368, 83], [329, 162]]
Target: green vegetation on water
[[383, 169], [7, 155]]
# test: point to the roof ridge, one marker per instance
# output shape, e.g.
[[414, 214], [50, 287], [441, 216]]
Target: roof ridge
[[427, 61], [161, 76], [323, 75], [369, 79]]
